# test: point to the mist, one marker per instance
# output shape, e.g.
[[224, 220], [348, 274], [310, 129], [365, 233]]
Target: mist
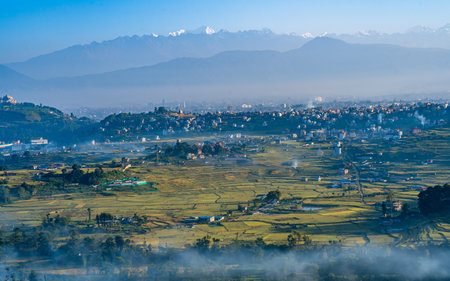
[[371, 261], [301, 92], [333, 262], [323, 67]]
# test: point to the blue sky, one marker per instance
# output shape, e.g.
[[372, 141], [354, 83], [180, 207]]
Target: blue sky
[[33, 27]]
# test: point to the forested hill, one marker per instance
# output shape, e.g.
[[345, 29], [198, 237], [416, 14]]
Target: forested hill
[[26, 121]]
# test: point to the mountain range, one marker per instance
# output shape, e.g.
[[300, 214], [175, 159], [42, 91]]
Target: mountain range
[[321, 58], [322, 66], [415, 37], [136, 51], [126, 52]]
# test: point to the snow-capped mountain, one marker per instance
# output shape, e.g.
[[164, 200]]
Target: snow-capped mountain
[[135, 51], [417, 36], [203, 30]]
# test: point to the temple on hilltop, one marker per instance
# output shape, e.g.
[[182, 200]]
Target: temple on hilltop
[[7, 99]]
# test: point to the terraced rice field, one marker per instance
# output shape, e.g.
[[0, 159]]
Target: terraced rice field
[[200, 189]]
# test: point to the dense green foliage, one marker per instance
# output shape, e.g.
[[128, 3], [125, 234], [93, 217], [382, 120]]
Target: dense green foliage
[[181, 149], [273, 195], [78, 176], [435, 200], [26, 121]]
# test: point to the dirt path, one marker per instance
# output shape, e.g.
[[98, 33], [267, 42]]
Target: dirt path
[[358, 181], [218, 197]]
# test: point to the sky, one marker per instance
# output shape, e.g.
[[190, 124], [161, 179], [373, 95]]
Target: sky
[[33, 27]]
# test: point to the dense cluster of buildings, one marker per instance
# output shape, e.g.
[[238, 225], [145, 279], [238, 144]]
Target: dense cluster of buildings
[[389, 122], [35, 145]]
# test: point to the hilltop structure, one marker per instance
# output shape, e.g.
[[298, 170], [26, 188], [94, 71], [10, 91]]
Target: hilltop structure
[[7, 100]]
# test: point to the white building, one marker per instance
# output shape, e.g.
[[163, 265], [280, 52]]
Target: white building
[[39, 141]]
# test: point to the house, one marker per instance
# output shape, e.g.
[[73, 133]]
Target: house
[[206, 219], [415, 131], [191, 156], [39, 141], [343, 171], [191, 220], [397, 205]]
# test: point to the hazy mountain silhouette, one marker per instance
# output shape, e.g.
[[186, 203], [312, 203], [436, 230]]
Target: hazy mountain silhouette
[[323, 66], [126, 52], [416, 37], [320, 58], [10, 79]]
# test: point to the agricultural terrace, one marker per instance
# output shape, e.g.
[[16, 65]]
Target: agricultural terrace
[[198, 188]]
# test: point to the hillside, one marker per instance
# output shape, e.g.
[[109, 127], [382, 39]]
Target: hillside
[[26, 121]]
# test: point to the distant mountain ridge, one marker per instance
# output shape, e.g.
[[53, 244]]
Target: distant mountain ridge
[[135, 51], [415, 37], [320, 58], [323, 66], [11, 79]]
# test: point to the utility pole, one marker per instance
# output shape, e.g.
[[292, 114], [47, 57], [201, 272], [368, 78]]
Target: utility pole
[[89, 214]]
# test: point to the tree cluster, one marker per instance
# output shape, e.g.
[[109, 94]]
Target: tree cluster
[[78, 176], [435, 200], [181, 149]]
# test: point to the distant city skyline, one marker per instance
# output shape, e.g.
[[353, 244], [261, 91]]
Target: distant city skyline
[[29, 28]]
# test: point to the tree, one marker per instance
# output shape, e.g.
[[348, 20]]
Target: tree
[[434, 200], [16, 238], [76, 174], [307, 240], [405, 209], [33, 276], [204, 242], [293, 239], [22, 193], [43, 244], [390, 199], [383, 209], [296, 237], [104, 218], [108, 248], [120, 243], [4, 195], [273, 195], [260, 242]]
